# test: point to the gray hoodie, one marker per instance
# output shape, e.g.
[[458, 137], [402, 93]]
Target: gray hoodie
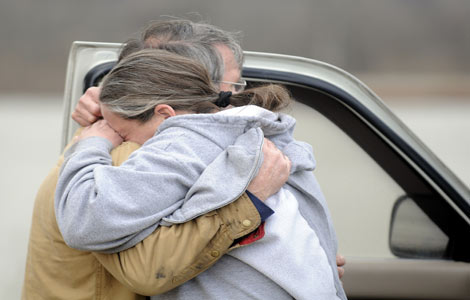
[[104, 208]]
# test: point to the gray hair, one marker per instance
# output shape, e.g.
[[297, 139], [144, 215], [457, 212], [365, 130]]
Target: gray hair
[[159, 33], [213, 35], [146, 78], [204, 54]]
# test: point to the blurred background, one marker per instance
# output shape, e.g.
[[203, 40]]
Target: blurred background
[[415, 54]]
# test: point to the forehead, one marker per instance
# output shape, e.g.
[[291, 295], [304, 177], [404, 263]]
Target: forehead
[[227, 57], [114, 121]]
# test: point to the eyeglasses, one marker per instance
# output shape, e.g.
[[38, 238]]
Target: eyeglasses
[[238, 87]]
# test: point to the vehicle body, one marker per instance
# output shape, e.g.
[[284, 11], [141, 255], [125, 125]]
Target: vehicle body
[[402, 218]]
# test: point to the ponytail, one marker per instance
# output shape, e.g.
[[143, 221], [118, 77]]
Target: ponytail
[[272, 97], [149, 77]]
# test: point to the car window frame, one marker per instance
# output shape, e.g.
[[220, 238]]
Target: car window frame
[[383, 145]]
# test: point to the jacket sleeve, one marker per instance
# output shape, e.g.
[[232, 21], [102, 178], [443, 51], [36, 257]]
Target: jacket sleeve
[[173, 255], [104, 208]]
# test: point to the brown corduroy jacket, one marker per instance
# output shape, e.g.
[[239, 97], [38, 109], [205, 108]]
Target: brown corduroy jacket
[[167, 258]]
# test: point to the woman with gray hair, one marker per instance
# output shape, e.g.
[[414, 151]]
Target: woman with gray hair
[[224, 67], [143, 90], [169, 103]]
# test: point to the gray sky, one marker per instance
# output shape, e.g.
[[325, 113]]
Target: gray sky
[[408, 37]]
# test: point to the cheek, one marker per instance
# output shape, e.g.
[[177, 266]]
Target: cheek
[[142, 134]]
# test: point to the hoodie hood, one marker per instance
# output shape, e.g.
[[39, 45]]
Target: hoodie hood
[[223, 128]]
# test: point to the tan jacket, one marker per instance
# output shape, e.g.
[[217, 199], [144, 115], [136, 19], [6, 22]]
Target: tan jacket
[[167, 258]]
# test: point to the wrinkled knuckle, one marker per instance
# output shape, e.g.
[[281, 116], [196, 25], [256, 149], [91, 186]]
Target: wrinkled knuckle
[[88, 104], [90, 119], [81, 98], [95, 110], [89, 91]]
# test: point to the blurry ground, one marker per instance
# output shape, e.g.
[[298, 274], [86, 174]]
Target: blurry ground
[[30, 128]]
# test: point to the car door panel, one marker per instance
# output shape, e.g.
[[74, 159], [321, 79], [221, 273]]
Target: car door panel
[[406, 279]]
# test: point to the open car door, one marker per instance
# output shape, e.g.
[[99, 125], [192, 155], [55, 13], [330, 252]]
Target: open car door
[[402, 218]]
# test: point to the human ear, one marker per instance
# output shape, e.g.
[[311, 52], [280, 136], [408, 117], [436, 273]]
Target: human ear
[[164, 110]]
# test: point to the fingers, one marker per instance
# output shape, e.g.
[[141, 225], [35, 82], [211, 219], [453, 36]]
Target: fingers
[[83, 117], [102, 129], [340, 260], [281, 163], [88, 108], [340, 272], [272, 174], [288, 163]]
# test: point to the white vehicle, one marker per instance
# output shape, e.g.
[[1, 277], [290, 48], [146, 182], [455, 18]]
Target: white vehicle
[[402, 218]]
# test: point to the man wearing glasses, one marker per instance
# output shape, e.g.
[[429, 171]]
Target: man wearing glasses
[[55, 271]]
